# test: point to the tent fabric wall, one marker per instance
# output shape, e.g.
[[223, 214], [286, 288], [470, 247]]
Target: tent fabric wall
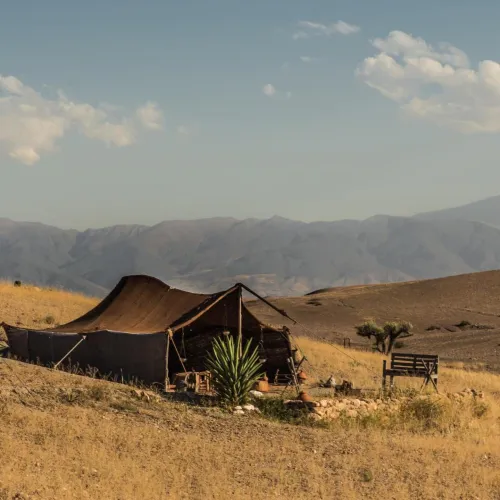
[[18, 342], [140, 356]]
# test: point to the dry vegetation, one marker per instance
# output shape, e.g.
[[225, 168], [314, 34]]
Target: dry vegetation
[[71, 437], [33, 307]]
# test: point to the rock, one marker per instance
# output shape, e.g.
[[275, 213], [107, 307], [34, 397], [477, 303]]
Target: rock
[[333, 414], [248, 407], [324, 403], [238, 412], [256, 394], [341, 406], [236, 408], [311, 404], [356, 403], [351, 413], [315, 417]]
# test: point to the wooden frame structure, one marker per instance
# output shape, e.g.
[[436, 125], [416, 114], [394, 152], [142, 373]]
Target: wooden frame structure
[[412, 365]]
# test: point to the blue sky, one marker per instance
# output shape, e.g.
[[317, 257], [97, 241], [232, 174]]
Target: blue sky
[[126, 112]]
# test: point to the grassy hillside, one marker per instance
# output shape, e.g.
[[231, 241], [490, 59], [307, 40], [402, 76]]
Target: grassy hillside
[[331, 314], [73, 437], [39, 308], [65, 436]]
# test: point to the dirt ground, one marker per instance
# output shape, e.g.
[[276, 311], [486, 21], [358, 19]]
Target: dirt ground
[[332, 314]]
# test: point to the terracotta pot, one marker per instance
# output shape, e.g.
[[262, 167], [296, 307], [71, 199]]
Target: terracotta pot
[[302, 375], [303, 396], [262, 385]]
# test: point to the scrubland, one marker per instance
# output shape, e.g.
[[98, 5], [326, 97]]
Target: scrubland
[[73, 437]]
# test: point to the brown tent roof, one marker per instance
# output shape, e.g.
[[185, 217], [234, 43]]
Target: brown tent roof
[[143, 304]]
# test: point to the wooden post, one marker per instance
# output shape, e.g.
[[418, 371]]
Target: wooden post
[[167, 379], [240, 323]]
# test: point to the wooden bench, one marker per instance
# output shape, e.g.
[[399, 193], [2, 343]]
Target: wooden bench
[[412, 365]]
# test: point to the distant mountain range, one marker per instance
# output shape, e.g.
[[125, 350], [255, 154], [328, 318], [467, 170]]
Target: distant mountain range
[[275, 256]]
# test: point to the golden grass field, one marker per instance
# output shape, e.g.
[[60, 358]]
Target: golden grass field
[[70, 437]]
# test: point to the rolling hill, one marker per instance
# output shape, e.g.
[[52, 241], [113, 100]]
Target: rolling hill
[[331, 314]]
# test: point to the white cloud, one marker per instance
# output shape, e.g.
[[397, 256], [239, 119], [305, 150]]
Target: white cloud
[[151, 116], [269, 90], [309, 29], [31, 125], [300, 35], [183, 130], [436, 84], [309, 59]]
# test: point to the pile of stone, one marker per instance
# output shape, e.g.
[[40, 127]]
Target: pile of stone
[[467, 393], [241, 410], [334, 408]]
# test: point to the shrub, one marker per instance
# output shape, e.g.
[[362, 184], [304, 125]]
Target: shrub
[[384, 337], [432, 328], [49, 319], [479, 408], [233, 374], [428, 413], [97, 392]]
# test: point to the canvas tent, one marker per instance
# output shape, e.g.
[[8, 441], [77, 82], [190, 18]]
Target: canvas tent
[[146, 329]]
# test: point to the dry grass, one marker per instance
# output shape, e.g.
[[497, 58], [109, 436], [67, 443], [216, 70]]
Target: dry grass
[[365, 369], [32, 306], [93, 439]]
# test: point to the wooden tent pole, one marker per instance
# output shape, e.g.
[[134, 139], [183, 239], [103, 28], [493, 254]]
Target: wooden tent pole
[[281, 311], [167, 380], [240, 322]]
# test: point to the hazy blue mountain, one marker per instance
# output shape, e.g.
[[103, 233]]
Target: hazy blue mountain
[[275, 256], [487, 211]]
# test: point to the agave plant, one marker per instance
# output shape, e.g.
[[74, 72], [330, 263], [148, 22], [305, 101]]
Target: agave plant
[[233, 374]]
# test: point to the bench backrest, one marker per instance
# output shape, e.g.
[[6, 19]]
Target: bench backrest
[[414, 362]]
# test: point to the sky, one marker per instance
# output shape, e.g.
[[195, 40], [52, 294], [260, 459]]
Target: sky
[[116, 112]]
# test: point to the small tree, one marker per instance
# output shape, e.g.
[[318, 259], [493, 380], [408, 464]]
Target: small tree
[[233, 376], [384, 337], [394, 331]]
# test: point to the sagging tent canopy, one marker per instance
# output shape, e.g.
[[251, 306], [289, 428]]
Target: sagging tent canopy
[[125, 334]]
